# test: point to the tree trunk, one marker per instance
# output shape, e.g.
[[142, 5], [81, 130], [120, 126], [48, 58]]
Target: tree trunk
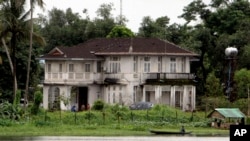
[[29, 59], [11, 66]]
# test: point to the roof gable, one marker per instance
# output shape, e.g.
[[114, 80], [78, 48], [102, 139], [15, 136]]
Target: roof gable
[[56, 52]]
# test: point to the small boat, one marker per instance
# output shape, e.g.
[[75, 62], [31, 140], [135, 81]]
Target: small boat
[[162, 132]]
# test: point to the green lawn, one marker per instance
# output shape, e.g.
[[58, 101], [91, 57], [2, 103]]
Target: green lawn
[[108, 130], [114, 121]]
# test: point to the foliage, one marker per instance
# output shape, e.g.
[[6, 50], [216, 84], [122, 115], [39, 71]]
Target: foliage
[[218, 25], [92, 122], [210, 103], [242, 78], [17, 98], [151, 28], [15, 32], [9, 111], [36, 105], [98, 105], [213, 86], [120, 31]]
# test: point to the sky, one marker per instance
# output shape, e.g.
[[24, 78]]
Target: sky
[[133, 10]]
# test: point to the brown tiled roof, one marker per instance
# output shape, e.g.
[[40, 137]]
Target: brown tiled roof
[[118, 46]]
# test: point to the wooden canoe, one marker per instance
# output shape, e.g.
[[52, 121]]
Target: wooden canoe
[[169, 132]]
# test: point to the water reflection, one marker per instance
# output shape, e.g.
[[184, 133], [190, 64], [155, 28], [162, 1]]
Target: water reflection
[[130, 138]]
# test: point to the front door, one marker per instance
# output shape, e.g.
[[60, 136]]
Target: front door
[[83, 98]]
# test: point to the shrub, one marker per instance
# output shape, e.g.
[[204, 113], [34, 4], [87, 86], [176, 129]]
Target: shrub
[[98, 105], [37, 102]]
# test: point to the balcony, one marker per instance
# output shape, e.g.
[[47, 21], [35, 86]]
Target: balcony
[[169, 78], [72, 77]]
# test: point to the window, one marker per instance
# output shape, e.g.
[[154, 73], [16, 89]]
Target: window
[[87, 67], [172, 65], [115, 64], [147, 98], [49, 68], [60, 67], [135, 63], [108, 97], [120, 98], [71, 67], [183, 64], [113, 97], [146, 64], [99, 66], [134, 93], [159, 64]]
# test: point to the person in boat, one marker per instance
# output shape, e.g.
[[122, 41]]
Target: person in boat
[[182, 129]]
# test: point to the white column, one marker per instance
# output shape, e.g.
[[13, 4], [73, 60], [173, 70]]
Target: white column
[[160, 94], [45, 97], [143, 93], [185, 98], [172, 97], [193, 98]]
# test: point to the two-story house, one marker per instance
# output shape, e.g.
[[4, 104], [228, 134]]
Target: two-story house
[[119, 70]]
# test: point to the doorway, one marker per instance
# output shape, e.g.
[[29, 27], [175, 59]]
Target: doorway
[[82, 98]]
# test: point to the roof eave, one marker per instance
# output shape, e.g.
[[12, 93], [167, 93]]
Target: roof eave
[[72, 59], [144, 53]]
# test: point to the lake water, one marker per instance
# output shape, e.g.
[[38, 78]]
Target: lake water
[[130, 138]]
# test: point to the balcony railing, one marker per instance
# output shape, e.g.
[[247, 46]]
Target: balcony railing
[[168, 76], [72, 76], [99, 77]]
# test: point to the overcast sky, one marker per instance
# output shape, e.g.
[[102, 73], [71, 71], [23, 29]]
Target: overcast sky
[[133, 10]]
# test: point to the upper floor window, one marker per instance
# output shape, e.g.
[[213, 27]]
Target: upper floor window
[[60, 67], [71, 67], [183, 64], [172, 64], [146, 64], [159, 64], [135, 63], [87, 67], [99, 66], [49, 68], [115, 64]]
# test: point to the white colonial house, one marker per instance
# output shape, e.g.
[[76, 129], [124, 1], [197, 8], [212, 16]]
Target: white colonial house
[[119, 71]]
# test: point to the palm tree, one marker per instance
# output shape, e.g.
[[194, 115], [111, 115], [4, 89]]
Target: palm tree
[[40, 3], [14, 29]]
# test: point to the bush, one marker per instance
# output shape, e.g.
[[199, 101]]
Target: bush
[[98, 105], [10, 111], [37, 102]]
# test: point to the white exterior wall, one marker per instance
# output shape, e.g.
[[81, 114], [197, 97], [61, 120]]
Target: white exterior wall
[[129, 79], [94, 93]]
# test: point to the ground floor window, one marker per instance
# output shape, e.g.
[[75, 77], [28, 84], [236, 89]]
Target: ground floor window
[[53, 98], [166, 97]]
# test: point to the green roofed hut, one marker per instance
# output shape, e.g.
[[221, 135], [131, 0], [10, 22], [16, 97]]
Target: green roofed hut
[[223, 117]]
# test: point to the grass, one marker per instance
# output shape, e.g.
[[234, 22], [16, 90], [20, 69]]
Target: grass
[[79, 130], [114, 121]]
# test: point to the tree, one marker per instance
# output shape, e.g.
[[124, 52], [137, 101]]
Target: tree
[[63, 28], [151, 28], [242, 78], [223, 23], [120, 31], [12, 12], [213, 86], [103, 24], [32, 2], [15, 29]]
